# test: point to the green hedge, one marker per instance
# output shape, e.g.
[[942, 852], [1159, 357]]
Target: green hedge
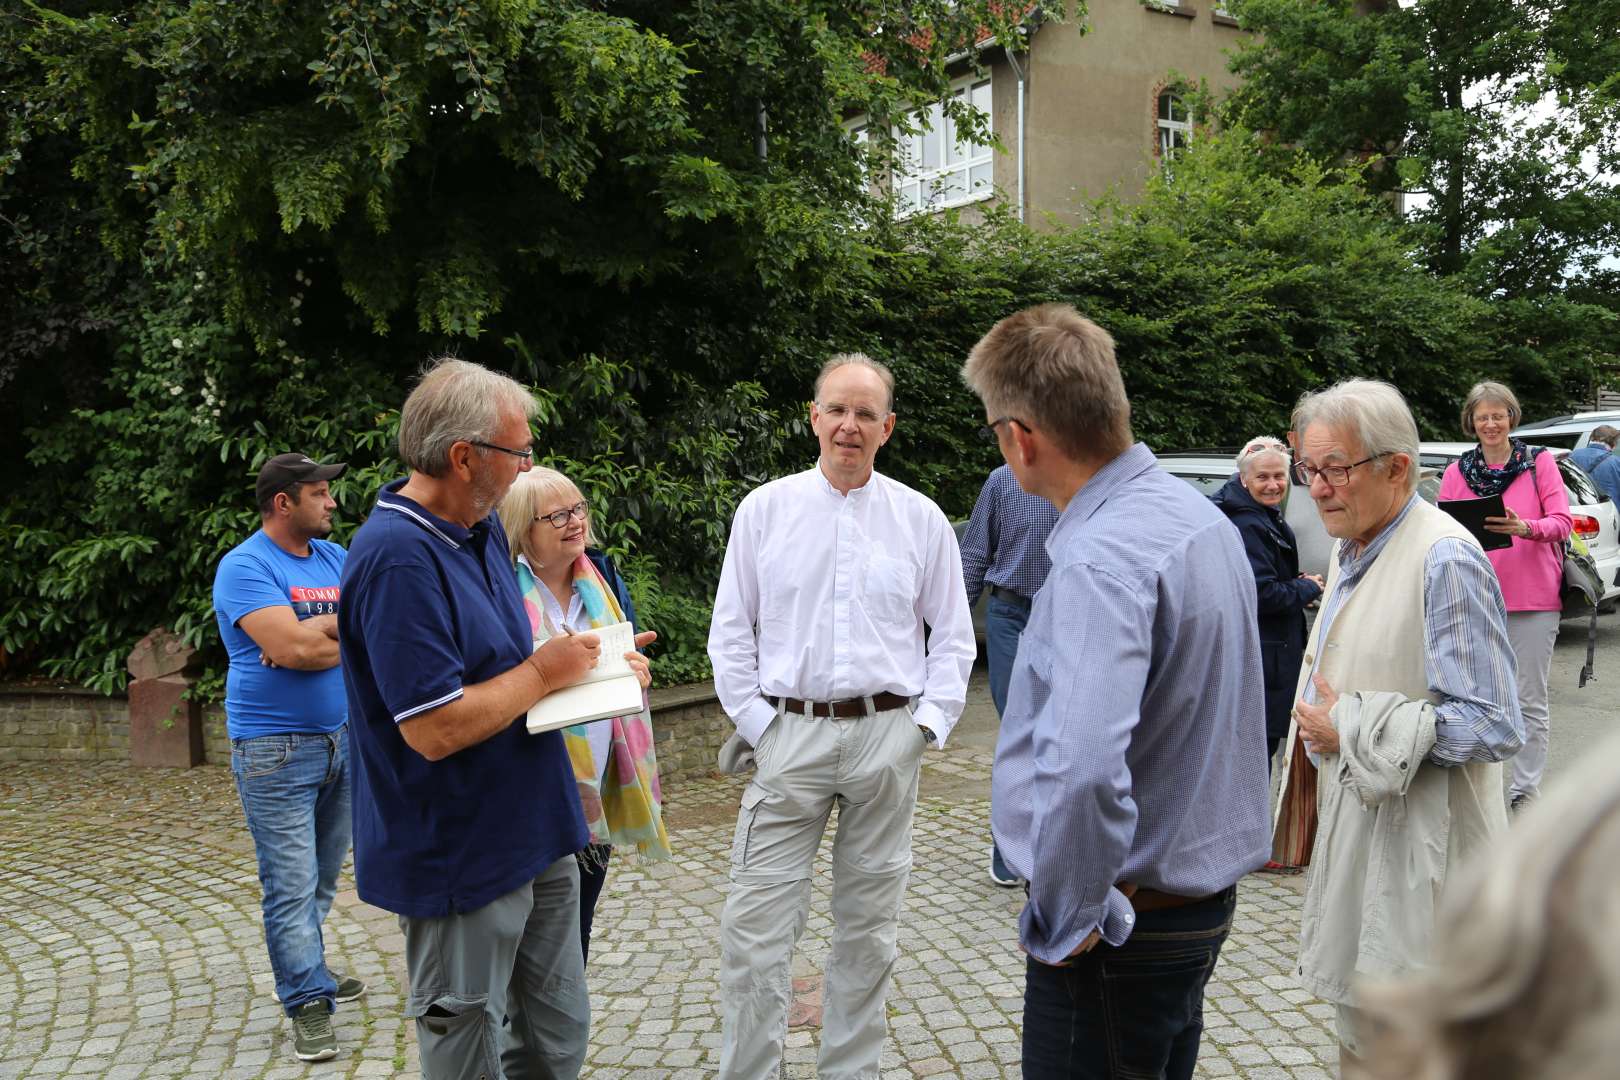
[[1232, 287]]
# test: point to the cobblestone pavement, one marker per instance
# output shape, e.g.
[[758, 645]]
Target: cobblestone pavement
[[130, 945]]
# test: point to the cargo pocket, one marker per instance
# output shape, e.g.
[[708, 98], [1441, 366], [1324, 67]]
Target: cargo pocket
[[456, 1039], [753, 795]]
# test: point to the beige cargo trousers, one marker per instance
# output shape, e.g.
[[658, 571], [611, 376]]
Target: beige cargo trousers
[[867, 766]]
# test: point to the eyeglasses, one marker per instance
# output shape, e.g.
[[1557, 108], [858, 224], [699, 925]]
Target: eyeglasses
[[1335, 475], [987, 432], [526, 454], [559, 518]]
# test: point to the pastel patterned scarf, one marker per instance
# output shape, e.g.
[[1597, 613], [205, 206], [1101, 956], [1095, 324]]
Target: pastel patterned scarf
[[626, 809]]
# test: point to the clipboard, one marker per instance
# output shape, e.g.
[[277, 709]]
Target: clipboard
[[1471, 514]]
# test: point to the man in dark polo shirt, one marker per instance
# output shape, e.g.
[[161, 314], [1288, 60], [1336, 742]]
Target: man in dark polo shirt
[[465, 825]]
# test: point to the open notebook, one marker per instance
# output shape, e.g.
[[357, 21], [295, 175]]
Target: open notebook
[[608, 689]]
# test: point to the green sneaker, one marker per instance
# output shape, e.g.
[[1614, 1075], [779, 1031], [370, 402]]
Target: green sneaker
[[348, 987], [313, 1038]]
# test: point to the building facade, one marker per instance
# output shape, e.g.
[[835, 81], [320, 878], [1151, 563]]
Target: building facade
[[1079, 116]]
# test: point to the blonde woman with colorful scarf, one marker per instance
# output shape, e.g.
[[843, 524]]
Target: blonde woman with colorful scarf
[[567, 586]]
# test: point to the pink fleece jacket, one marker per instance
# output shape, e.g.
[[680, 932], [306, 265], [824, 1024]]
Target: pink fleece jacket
[[1532, 570]]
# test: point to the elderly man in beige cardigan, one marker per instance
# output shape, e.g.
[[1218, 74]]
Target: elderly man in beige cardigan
[[1406, 702]]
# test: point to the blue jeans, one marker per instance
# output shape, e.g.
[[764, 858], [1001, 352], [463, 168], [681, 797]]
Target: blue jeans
[[295, 796], [1004, 622], [1131, 1013]]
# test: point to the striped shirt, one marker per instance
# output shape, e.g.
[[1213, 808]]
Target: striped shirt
[[1477, 718], [1004, 544]]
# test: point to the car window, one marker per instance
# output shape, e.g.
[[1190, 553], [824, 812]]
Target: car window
[[1582, 492], [1208, 484], [1560, 440]]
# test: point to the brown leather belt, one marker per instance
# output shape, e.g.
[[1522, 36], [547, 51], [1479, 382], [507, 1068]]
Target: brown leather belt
[[1154, 900], [847, 709]]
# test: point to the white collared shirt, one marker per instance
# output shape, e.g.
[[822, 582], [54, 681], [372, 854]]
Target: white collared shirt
[[823, 596]]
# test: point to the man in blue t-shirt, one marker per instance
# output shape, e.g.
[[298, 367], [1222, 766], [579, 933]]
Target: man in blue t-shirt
[[465, 824], [276, 600]]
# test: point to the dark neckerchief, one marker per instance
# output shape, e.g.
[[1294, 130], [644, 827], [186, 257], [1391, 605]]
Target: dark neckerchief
[[1485, 481]]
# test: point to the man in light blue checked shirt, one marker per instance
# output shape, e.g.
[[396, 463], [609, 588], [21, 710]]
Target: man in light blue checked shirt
[[1130, 778]]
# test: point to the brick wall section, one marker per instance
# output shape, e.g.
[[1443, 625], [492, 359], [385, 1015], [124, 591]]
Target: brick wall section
[[70, 724]]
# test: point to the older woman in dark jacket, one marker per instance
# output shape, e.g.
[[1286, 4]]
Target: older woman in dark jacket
[[1253, 500]]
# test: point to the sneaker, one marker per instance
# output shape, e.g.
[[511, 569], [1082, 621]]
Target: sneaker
[[1521, 802], [348, 987], [999, 872], [313, 1038]]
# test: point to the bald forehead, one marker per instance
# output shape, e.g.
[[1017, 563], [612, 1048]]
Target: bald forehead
[[854, 384]]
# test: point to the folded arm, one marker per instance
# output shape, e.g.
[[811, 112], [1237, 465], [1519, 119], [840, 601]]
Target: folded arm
[[289, 642]]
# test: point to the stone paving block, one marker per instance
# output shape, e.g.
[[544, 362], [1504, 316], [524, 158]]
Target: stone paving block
[[154, 964]]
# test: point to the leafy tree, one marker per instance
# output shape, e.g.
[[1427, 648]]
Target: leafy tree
[[1501, 118], [234, 228]]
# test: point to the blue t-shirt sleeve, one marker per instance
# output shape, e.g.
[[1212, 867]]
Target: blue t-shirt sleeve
[[410, 640], [243, 585]]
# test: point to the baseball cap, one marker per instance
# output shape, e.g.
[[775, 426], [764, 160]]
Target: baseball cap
[[284, 470]]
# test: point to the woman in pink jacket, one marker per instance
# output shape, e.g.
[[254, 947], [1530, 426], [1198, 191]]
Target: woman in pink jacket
[[1531, 572]]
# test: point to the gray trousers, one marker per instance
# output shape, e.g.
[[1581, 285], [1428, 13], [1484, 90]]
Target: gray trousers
[[499, 993], [868, 767], [1532, 635]]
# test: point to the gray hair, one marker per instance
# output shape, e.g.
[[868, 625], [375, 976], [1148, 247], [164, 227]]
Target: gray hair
[[1260, 447], [856, 359], [1606, 435], [456, 401], [1053, 369], [1374, 411], [523, 501], [1525, 979], [1485, 393]]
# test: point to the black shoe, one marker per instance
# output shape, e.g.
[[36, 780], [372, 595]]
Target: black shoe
[[999, 872]]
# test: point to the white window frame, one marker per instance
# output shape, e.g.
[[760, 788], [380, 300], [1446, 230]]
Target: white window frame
[[946, 172], [1169, 128]]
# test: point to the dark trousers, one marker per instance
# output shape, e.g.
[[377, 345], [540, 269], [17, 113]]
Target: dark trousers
[[1131, 1013], [592, 876]]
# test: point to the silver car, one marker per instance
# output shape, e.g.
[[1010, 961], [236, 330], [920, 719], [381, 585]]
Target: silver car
[[1567, 432], [1207, 468]]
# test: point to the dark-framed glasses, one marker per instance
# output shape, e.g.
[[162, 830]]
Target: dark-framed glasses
[[559, 518], [1335, 475], [527, 454], [987, 432]]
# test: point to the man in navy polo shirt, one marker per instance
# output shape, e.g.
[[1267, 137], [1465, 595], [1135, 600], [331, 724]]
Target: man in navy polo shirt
[[276, 601], [465, 825]]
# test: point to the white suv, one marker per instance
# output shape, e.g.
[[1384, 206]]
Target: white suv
[[1567, 432]]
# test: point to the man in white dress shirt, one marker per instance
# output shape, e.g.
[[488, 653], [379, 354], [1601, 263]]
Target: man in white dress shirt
[[820, 660]]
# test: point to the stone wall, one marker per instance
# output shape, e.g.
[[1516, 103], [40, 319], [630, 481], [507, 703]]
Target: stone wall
[[70, 724]]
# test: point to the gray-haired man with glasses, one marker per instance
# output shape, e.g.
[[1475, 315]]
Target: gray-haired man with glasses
[[465, 825], [1407, 701]]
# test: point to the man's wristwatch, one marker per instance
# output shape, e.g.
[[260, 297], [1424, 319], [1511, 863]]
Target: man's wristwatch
[[928, 735]]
